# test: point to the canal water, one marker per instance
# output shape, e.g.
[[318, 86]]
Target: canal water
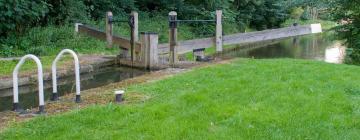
[[322, 47], [28, 95]]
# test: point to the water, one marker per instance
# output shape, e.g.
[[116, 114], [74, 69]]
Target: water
[[28, 97], [317, 47]]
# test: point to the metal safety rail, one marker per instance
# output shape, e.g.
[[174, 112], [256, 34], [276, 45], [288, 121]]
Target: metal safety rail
[[55, 95], [40, 80]]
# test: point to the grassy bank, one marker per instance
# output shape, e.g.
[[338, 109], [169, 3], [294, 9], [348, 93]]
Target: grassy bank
[[7, 67], [326, 25], [245, 99]]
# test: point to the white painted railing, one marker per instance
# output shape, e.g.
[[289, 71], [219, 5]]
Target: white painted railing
[[40, 80], [77, 74]]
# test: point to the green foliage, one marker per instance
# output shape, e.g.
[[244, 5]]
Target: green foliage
[[65, 11], [348, 12], [238, 16], [16, 15], [296, 13], [245, 99], [50, 40]]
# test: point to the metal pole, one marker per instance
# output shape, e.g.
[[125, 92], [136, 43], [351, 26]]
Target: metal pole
[[40, 80], [77, 74]]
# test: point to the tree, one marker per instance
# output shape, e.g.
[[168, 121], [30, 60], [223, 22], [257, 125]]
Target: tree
[[348, 13]]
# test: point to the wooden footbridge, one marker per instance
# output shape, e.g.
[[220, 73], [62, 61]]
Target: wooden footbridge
[[146, 52]]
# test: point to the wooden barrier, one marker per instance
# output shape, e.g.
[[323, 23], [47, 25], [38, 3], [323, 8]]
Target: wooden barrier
[[149, 52], [96, 33], [190, 45]]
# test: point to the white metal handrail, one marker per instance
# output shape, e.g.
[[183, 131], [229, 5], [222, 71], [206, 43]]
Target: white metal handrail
[[40, 80], [77, 74]]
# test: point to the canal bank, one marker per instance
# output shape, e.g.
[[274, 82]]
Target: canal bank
[[267, 98]]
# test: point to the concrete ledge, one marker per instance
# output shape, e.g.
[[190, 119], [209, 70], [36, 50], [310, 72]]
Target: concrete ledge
[[94, 64]]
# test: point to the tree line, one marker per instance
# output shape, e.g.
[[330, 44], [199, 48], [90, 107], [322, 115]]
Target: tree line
[[18, 15]]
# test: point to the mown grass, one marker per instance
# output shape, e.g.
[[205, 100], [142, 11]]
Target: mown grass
[[246, 99], [7, 67]]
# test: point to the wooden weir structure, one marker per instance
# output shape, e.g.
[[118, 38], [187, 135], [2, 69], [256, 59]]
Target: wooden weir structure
[[146, 52]]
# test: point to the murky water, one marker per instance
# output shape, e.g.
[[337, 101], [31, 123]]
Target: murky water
[[29, 94], [318, 47]]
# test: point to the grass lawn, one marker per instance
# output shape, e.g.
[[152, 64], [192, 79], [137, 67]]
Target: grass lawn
[[245, 99], [7, 67]]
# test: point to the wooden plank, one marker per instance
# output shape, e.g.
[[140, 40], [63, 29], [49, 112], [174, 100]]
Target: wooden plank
[[188, 46], [96, 33], [267, 35]]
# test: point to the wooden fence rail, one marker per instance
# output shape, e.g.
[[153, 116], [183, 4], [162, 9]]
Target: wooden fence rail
[[99, 34]]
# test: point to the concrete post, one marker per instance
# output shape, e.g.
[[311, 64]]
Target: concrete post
[[109, 28], [149, 49], [173, 37], [219, 37]]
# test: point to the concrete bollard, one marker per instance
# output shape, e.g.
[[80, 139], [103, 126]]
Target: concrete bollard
[[119, 96]]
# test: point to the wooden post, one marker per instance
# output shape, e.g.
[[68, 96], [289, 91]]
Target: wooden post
[[219, 37], [153, 50], [133, 22], [173, 37], [109, 28], [136, 25], [149, 49]]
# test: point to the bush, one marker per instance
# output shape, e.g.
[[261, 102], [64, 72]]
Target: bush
[[17, 15], [296, 12]]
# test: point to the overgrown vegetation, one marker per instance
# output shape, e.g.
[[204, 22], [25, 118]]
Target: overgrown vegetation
[[42, 27], [246, 99]]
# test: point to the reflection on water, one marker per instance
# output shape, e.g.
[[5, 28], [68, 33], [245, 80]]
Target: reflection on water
[[318, 47], [335, 54]]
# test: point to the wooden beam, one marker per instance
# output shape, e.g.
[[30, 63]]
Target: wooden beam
[[267, 35], [96, 33], [240, 38]]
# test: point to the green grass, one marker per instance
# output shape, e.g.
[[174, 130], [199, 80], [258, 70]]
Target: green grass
[[246, 99], [7, 67], [326, 25]]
